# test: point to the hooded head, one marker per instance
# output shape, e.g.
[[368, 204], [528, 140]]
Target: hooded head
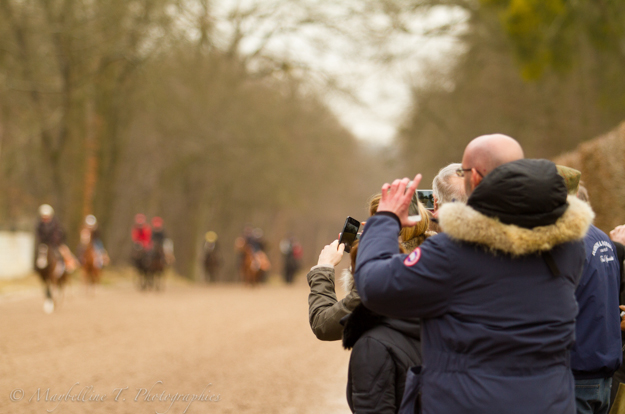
[[527, 193]]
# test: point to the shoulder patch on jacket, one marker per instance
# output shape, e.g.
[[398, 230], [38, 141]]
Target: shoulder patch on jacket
[[413, 257]]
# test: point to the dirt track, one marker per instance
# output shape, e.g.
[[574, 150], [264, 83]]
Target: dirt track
[[254, 347]]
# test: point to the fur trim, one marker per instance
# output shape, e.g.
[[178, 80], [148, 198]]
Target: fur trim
[[461, 222], [347, 280]]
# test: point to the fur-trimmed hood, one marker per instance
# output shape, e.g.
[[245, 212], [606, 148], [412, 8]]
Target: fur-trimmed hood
[[462, 222]]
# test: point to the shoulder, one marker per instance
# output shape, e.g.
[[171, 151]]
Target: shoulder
[[596, 239], [372, 347], [384, 345]]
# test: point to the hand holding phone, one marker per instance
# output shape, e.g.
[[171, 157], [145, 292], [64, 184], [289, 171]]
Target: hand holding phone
[[331, 254]]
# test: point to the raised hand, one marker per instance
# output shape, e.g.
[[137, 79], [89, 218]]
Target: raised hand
[[396, 199], [332, 254]]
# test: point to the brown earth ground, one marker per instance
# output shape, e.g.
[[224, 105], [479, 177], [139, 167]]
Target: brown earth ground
[[247, 350]]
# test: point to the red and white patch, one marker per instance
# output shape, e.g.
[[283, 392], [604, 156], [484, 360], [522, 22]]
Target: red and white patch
[[413, 257]]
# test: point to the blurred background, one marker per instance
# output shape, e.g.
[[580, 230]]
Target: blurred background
[[287, 115]]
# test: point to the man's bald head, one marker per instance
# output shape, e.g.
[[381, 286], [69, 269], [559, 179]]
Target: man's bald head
[[486, 153]]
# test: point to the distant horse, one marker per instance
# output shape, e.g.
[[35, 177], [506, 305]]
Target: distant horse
[[150, 263], [51, 269], [91, 265], [211, 264], [253, 264]]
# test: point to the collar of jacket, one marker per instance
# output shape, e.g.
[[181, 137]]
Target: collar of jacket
[[462, 222]]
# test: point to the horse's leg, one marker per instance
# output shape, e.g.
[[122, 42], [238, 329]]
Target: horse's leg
[[60, 295], [96, 279], [144, 279], [48, 303], [157, 280]]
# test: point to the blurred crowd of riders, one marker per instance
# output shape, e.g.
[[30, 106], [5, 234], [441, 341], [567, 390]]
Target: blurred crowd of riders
[[152, 250], [253, 262]]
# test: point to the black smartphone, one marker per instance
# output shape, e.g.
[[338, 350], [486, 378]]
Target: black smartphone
[[349, 233]]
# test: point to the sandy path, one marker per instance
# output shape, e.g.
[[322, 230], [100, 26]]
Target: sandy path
[[254, 348]]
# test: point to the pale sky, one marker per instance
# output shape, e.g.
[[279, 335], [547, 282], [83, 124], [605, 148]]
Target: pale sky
[[375, 96]]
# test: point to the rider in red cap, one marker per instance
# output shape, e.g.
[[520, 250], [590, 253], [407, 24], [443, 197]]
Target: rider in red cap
[[141, 232]]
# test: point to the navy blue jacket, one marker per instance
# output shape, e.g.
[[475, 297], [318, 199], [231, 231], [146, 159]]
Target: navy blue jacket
[[497, 320], [597, 351]]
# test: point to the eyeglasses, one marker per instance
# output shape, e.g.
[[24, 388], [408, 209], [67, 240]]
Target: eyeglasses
[[460, 172]]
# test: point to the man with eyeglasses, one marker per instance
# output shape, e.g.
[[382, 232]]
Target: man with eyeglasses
[[495, 290]]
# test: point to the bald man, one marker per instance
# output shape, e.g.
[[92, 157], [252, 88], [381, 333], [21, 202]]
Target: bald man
[[495, 291]]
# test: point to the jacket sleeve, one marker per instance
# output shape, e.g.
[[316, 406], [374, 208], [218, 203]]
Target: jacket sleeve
[[403, 286], [324, 310], [372, 372]]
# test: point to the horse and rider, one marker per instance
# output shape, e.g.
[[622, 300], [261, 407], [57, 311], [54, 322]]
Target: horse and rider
[[91, 253], [54, 261], [152, 250], [253, 261], [211, 261], [292, 253]]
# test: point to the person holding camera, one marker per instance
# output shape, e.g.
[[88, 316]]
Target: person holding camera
[[495, 292], [324, 309], [383, 349]]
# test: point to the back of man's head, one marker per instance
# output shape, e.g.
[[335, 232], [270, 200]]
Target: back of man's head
[[447, 186], [487, 152]]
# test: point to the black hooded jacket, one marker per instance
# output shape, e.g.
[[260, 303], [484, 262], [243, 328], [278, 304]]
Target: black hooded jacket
[[383, 351]]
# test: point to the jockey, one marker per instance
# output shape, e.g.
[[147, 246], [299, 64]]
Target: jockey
[[257, 240], [50, 235], [158, 233], [91, 234], [212, 256], [161, 243], [141, 232]]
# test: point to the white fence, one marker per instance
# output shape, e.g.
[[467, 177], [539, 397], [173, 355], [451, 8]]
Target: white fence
[[16, 254]]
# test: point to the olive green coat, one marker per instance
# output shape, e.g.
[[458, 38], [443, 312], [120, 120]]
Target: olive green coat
[[324, 310]]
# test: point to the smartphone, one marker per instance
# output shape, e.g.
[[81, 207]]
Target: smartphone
[[426, 197], [349, 233]]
